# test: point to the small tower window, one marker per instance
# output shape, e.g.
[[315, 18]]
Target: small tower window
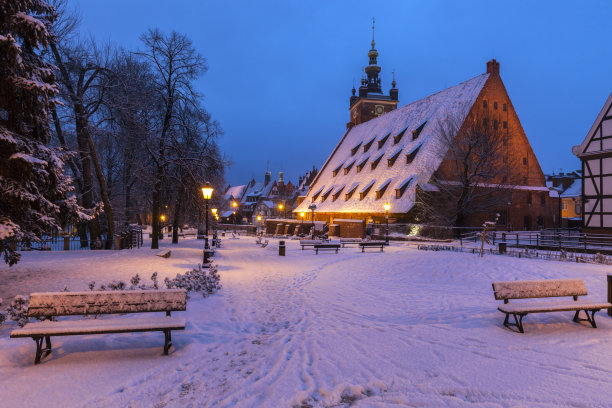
[[525, 161], [484, 104], [505, 107], [485, 122], [495, 124], [495, 105], [505, 125]]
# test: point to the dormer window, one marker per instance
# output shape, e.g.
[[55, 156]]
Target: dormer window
[[382, 141], [416, 132], [362, 164], [398, 137], [381, 190], [316, 195], [412, 153], [355, 149], [348, 167], [377, 160], [391, 160], [337, 169], [399, 191], [350, 191], [364, 192], [338, 192], [326, 194], [366, 146]]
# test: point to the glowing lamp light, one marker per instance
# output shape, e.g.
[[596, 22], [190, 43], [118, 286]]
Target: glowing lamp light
[[214, 211], [387, 207], [207, 191], [259, 218], [280, 206], [163, 217], [302, 214], [234, 204]]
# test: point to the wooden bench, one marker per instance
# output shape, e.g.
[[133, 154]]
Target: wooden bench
[[544, 289], [349, 243], [372, 244], [54, 304], [325, 247], [309, 242]]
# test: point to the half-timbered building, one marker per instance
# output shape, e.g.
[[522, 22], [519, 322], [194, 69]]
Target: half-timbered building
[[595, 153]]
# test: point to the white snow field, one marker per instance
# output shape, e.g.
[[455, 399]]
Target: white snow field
[[403, 328]]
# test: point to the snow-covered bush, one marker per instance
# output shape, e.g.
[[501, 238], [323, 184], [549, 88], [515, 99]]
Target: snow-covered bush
[[205, 280], [18, 310]]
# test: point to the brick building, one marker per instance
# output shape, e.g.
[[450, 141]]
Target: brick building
[[393, 155]]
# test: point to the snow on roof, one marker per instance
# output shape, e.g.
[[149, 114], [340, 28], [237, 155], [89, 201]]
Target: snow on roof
[[368, 186], [384, 185], [574, 190], [580, 149], [235, 192], [403, 183], [456, 101]]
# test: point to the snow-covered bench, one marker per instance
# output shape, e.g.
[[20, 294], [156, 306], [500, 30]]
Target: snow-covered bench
[[372, 244], [309, 242], [94, 303], [323, 247], [544, 289]]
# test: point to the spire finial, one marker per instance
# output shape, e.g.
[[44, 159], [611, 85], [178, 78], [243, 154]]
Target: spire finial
[[373, 42], [393, 82]]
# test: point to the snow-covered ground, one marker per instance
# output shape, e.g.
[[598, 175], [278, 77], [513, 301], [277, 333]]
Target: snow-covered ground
[[399, 328]]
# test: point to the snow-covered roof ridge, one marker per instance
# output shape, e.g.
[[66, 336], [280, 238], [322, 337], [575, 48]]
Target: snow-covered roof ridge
[[380, 155]]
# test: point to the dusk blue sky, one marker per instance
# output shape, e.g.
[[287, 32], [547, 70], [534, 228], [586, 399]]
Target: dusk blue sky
[[280, 72]]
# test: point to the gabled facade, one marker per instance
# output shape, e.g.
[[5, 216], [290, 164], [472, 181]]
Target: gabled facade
[[388, 159], [595, 153]]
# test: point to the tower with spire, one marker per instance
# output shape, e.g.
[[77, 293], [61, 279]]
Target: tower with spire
[[371, 102]]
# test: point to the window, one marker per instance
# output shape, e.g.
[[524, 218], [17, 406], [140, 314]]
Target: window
[[530, 199], [525, 161], [363, 193], [495, 105], [564, 205], [485, 122], [505, 178], [543, 199], [354, 149], [382, 141], [361, 165], [381, 190], [484, 104], [376, 161], [391, 160], [337, 169], [350, 191], [417, 131], [505, 107], [398, 137], [412, 154], [505, 125], [348, 167], [366, 146], [495, 124], [399, 191], [525, 180], [337, 193]]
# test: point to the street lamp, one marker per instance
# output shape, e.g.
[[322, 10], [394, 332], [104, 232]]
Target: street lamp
[[161, 226], [234, 206], [207, 191], [313, 207], [387, 208], [214, 213], [258, 222], [280, 208]]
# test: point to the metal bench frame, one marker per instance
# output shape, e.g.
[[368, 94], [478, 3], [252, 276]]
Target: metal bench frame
[[324, 247]]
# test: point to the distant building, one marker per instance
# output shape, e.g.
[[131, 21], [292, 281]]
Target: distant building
[[569, 186], [390, 155], [595, 153]]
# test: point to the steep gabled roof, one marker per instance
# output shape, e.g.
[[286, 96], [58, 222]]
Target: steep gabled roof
[[456, 101], [584, 149], [235, 192]]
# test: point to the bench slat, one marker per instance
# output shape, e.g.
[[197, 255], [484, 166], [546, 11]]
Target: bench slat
[[543, 307], [106, 302], [539, 289], [99, 326]]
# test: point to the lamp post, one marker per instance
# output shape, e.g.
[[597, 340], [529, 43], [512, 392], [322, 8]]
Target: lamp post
[[313, 207], [207, 191], [280, 208], [387, 208], [234, 206], [258, 223], [214, 213]]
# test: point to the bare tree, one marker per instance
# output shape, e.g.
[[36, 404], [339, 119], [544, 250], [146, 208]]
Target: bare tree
[[475, 175], [176, 65]]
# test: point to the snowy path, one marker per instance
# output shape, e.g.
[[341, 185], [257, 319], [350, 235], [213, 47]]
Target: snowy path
[[401, 328]]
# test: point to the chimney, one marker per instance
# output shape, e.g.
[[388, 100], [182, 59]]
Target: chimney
[[493, 67], [267, 178]]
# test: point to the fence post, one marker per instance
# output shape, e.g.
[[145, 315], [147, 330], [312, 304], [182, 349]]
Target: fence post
[[517, 240], [609, 293], [66, 243]]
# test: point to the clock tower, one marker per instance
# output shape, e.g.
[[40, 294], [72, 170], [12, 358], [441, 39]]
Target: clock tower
[[371, 102]]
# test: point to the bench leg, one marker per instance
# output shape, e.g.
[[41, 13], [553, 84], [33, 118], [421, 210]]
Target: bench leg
[[167, 341], [518, 321], [589, 318], [39, 348]]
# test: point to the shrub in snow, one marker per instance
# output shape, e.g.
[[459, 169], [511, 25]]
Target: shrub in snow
[[2, 315], [18, 310], [205, 280]]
